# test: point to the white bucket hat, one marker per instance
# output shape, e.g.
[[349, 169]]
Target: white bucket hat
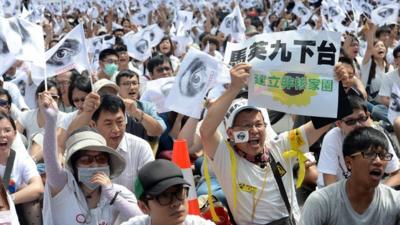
[[90, 140]]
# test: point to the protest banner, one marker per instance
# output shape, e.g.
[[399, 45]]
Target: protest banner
[[233, 25], [385, 15], [67, 54], [197, 74], [292, 71], [394, 105], [157, 91]]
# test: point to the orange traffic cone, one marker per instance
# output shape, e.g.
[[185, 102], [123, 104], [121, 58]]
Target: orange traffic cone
[[180, 156]]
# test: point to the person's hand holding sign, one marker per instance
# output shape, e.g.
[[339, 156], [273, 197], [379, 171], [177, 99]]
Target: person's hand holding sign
[[240, 74]]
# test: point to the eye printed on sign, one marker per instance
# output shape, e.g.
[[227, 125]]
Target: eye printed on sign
[[385, 12], [194, 78], [395, 102], [241, 136], [65, 53]]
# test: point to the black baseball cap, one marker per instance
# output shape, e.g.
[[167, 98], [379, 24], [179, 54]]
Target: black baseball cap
[[157, 176]]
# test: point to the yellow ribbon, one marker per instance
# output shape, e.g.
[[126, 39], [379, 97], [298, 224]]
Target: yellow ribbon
[[214, 216], [296, 141], [233, 173]]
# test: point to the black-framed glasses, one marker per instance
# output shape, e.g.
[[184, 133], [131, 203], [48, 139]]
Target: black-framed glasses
[[246, 127], [351, 122], [371, 155], [166, 198], [55, 97]]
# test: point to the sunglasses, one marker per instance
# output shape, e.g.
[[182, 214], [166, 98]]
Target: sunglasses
[[351, 122], [166, 198], [75, 100], [89, 159]]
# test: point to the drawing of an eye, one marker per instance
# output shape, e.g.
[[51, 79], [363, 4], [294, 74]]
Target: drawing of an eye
[[65, 53], [193, 79], [142, 45], [3, 46]]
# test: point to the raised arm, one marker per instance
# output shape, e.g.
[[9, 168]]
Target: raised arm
[[216, 112], [92, 102], [371, 29], [56, 176]]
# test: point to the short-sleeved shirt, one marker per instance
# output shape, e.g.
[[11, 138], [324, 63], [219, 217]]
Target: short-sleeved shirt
[[331, 160], [250, 178], [332, 206]]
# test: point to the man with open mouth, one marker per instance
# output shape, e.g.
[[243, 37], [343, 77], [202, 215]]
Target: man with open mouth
[[360, 199]]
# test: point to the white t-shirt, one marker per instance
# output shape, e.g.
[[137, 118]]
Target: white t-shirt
[[375, 82], [136, 152], [249, 176], [331, 159], [391, 78], [69, 206], [67, 119], [23, 170], [146, 220]]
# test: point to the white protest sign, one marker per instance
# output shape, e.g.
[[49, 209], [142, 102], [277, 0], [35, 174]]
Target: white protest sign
[[140, 17], [302, 11], [394, 105], [157, 91], [7, 58], [197, 74], [67, 54], [385, 15], [183, 22], [233, 25], [138, 45], [292, 71]]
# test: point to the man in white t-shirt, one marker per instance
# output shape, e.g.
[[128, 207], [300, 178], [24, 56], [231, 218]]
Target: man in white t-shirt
[[360, 199], [331, 164], [242, 163], [163, 195]]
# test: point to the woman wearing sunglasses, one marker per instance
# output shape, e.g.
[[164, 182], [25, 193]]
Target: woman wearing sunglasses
[[82, 192]]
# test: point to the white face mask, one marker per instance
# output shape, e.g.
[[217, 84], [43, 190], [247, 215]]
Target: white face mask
[[5, 217]]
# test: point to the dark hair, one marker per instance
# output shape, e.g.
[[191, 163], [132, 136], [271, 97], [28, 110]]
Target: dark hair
[[362, 139], [357, 103], [106, 52], [7, 117], [210, 39], [81, 83], [171, 50], [6, 93], [41, 87], [125, 73], [120, 48], [118, 30], [348, 61], [156, 61], [382, 30], [109, 103], [396, 51]]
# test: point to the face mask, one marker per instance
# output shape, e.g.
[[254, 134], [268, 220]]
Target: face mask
[[110, 69], [85, 175], [241, 136], [5, 217]]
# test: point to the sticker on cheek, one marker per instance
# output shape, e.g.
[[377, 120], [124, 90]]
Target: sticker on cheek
[[241, 136]]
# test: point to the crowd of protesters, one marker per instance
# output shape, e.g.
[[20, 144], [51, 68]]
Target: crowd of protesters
[[91, 146]]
